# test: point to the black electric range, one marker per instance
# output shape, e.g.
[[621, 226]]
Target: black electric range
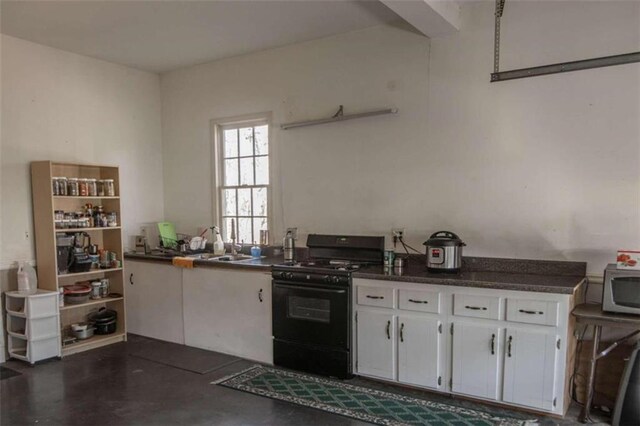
[[311, 304]]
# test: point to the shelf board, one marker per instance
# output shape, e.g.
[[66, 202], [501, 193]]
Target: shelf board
[[94, 342], [92, 272], [91, 302], [101, 228], [83, 197]]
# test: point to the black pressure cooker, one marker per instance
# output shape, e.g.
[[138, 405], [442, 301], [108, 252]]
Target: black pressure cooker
[[444, 252]]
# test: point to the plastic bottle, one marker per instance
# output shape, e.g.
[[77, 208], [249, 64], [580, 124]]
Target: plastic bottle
[[256, 251], [218, 245], [27, 279]]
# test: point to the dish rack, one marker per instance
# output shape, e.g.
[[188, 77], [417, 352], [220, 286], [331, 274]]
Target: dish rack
[[33, 325]]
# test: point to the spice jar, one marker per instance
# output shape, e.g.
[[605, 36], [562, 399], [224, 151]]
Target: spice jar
[[92, 187], [62, 186], [83, 190], [72, 187], [100, 187], [58, 215], [109, 188]]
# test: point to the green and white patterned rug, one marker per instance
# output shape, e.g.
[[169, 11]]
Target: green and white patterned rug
[[370, 405]]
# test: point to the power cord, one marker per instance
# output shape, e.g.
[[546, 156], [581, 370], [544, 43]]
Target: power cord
[[407, 246]]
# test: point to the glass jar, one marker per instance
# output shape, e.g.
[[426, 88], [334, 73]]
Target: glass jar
[[55, 186], [72, 187], [62, 186], [104, 287], [92, 187], [83, 189], [112, 219], [58, 215], [100, 187], [95, 289], [59, 224], [109, 188]]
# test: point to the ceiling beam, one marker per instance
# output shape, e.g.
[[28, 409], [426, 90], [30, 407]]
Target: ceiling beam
[[432, 18]]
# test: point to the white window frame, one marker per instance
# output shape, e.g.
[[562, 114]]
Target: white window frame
[[218, 127]]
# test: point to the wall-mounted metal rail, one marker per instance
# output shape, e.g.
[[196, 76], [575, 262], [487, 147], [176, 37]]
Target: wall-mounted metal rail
[[339, 116], [584, 64]]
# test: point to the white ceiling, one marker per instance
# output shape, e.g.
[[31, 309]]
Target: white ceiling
[[162, 35]]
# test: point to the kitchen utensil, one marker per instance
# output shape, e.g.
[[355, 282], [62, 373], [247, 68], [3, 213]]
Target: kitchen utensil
[[444, 252], [82, 331]]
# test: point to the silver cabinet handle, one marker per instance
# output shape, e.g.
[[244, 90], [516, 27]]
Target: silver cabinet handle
[[509, 346], [493, 344], [418, 301], [388, 330], [374, 297], [260, 295], [402, 332], [476, 308], [524, 311]]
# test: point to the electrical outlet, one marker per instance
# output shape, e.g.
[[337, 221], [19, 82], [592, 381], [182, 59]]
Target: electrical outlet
[[26, 235], [397, 232]]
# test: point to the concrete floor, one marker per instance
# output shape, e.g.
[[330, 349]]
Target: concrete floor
[[107, 386]]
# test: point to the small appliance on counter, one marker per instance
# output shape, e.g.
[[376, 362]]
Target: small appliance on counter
[[289, 245], [444, 252], [141, 244], [621, 292], [80, 260], [64, 247]]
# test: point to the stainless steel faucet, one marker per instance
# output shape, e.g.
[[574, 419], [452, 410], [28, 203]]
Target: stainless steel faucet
[[233, 238]]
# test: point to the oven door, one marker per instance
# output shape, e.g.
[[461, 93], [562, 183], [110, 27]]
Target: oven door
[[311, 314]]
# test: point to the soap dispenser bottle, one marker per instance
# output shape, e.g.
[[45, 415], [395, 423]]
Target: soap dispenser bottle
[[218, 245]]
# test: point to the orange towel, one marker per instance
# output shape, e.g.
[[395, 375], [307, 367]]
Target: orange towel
[[183, 262]]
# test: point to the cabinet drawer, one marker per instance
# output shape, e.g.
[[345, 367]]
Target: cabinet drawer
[[376, 296], [471, 305], [532, 311], [419, 300]]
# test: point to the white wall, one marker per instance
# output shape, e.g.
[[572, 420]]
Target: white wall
[[61, 106], [545, 168]]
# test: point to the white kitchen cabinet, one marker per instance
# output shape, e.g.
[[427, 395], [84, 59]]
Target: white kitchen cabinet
[[229, 311], [530, 368], [376, 344], [475, 367], [154, 300], [419, 348]]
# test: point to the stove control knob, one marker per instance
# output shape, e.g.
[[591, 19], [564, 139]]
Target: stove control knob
[[282, 275], [289, 275], [336, 280], [327, 278]]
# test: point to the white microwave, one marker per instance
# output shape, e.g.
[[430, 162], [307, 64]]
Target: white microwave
[[621, 292]]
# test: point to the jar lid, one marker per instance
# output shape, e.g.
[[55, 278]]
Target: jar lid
[[108, 180], [92, 179], [73, 178]]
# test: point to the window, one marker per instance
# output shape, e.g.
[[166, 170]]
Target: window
[[244, 179]]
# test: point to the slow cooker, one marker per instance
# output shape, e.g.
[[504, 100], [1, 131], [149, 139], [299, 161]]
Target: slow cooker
[[444, 252]]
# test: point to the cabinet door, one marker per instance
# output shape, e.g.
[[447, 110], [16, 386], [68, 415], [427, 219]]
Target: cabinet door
[[476, 363], [229, 311], [530, 368], [376, 344], [419, 351], [154, 300]]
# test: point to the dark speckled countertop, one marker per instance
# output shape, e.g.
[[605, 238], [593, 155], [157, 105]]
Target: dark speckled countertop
[[559, 277]]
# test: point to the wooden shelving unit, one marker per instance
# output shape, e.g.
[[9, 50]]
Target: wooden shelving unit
[[109, 238]]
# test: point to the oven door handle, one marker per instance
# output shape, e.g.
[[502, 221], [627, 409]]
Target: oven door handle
[[309, 288]]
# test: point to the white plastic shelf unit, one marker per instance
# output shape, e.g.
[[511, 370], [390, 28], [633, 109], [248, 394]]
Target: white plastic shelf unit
[[33, 325]]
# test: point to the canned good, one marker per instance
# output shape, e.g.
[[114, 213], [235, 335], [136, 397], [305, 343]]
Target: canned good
[[389, 256]]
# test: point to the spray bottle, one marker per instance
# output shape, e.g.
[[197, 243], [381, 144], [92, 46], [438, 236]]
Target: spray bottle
[[218, 245]]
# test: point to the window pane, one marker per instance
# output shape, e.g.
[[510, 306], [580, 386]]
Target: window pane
[[231, 172], [244, 231], [262, 170], [259, 223], [229, 202], [260, 201], [231, 143], [262, 140], [246, 171], [244, 202], [246, 141]]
